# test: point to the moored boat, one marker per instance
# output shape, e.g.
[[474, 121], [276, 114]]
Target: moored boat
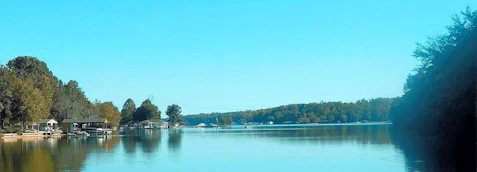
[[201, 125]]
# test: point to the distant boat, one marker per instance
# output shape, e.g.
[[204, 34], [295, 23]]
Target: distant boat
[[214, 125], [201, 125], [271, 122], [248, 126], [82, 133]]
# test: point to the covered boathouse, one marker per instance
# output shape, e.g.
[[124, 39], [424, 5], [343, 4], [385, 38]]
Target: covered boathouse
[[72, 125]]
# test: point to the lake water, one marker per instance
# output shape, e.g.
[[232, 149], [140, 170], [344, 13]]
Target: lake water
[[364, 147]]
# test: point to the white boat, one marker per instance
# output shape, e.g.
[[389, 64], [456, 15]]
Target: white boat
[[82, 133], [147, 127], [248, 126], [201, 125]]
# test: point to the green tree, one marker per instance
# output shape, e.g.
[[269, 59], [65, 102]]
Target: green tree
[[110, 112], [146, 111], [225, 120], [71, 102], [28, 103], [174, 113], [6, 78], [439, 96], [127, 112], [271, 118], [36, 70], [313, 118]]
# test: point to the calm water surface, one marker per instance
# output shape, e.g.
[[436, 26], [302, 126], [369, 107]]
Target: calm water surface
[[264, 148]]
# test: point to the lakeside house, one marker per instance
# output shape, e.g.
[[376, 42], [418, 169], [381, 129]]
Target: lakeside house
[[43, 125], [71, 125], [153, 123], [48, 125]]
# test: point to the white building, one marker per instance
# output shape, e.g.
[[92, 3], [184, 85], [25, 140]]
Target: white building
[[153, 124]]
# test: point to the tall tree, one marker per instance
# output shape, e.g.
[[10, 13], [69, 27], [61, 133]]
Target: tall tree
[[110, 112], [6, 78], [127, 112], [28, 103], [439, 96], [225, 120], [174, 113], [27, 67], [71, 102], [31, 67], [146, 111]]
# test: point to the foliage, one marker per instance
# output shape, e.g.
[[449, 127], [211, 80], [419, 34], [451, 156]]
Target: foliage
[[146, 111], [7, 76], [70, 102], [326, 112], [110, 112], [226, 120], [28, 103], [29, 91], [439, 98], [127, 112], [174, 113]]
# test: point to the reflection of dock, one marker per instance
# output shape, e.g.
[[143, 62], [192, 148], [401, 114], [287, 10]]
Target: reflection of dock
[[30, 135], [24, 139]]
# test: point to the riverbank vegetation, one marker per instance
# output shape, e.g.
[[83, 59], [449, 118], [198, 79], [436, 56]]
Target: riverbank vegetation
[[29, 92], [130, 114], [438, 107], [323, 112]]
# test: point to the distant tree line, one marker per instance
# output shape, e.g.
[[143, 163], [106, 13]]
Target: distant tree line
[[324, 112], [30, 92], [439, 102]]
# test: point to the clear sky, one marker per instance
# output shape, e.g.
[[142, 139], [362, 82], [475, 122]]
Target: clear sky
[[216, 56]]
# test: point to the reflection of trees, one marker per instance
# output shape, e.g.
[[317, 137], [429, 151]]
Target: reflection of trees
[[421, 153], [174, 141], [129, 144], [149, 140], [39, 161], [40, 155], [11, 156], [363, 134]]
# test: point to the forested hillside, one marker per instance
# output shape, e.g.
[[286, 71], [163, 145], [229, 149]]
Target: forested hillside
[[323, 112]]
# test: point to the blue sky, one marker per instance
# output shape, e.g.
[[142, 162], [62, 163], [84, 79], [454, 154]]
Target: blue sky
[[216, 56]]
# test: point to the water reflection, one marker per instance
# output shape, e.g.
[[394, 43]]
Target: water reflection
[[59, 154], [174, 140], [361, 134], [430, 153], [52, 154]]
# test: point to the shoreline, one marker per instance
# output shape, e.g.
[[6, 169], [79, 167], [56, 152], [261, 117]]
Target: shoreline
[[6, 136]]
